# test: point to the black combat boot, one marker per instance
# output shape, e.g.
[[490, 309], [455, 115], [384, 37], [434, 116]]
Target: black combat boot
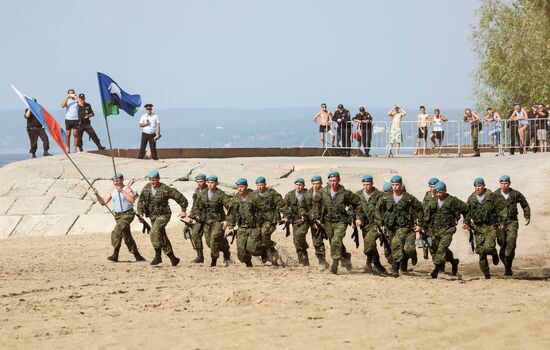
[[487, 274], [264, 256], [173, 259], [248, 263], [454, 264], [334, 266], [346, 261], [395, 269], [199, 259], [138, 256], [495, 258], [226, 258], [368, 264], [405, 265], [435, 272], [379, 268], [508, 268], [305, 259], [323, 264], [213, 262], [414, 260], [114, 257], [157, 259], [442, 268]]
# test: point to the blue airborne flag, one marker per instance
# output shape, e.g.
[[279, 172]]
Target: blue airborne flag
[[113, 97]]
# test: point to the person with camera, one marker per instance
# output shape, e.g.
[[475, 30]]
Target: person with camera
[[35, 130], [85, 112], [364, 122], [150, 125], [71, 118], [343, 137], [473, 119]]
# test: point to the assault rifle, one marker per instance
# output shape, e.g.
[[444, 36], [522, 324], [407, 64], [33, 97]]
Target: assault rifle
[[355, 235], [187, 226], [425, 244], [383, 238], [286, 227], [233, 234], [471, 239], [146, 227], [320, 230]]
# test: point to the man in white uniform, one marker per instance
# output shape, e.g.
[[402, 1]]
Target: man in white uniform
[[150, 125]]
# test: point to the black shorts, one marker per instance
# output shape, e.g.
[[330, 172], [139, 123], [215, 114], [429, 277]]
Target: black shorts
[[324, 128], [439, 135], [71, 124], [423, 135]]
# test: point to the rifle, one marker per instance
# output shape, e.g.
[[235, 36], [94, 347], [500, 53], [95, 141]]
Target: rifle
[[383, 238], [233, 234], [187, 226], [355, 235], [425, 244], [287, 226], [146, 227], [471, 239], [320, 229]]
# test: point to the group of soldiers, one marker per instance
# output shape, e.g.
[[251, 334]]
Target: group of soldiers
[[392, 216]]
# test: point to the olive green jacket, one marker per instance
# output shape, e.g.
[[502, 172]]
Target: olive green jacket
[[488, 212], [448, 215], [158, 204], [367, 211], [509, 207], [213, 209], [244, 213], [405, 213]]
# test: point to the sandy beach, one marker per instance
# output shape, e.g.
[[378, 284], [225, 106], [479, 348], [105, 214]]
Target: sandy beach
[[59, 291]]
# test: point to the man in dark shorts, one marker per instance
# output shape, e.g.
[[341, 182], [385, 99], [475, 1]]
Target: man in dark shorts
[[364, 122], [85, 112], [36, 130]]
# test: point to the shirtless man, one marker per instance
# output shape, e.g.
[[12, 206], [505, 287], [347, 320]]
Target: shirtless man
[[423, 120], [324, 117], [396, 113]]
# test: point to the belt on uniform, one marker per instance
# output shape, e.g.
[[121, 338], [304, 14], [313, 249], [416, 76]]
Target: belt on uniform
[[125, 212]]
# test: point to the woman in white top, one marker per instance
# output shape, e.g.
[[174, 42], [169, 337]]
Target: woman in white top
[[438, 133]]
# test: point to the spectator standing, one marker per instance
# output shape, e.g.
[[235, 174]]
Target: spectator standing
[[423, 125], [35, 130], [396, 113], [71, 118], [531, 132], [85, 112], [493, 119], [473, 119], [520, 115], [363, 119], [343, 136], [438, 133], [542, 125], [324, 117], [150, 125]]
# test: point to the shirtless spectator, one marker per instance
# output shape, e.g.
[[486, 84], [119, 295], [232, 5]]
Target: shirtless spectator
[[438, 132], [493, 119], [423, 125], [324, 117], [396, 113]]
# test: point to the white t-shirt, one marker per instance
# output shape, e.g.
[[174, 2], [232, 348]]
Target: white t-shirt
[[151, 128], [71, 110]]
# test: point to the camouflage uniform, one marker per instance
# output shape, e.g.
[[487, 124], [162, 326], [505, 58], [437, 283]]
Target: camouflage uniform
[[336, 221], [506, 237], [316, 212], [122, 231], [297, 214], [483, 218], [244, 214], [398, 220], [442, 222], [211, 210], [156, 207], [270, 206], [198, 228], [370, 230]]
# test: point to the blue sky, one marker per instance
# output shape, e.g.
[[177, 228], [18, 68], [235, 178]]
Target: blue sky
[[242, 53]]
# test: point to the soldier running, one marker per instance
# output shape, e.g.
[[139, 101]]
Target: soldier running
[[316, 214], [153, 203], [441, 216], [297, 215], [507, 235], [197, 220], [123, 198]]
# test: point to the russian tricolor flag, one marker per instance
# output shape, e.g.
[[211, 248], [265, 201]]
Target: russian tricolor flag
[[50, 124]]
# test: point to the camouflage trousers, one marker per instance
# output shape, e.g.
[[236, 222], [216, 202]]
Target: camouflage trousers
[[402, 243], [266, 230], [441, 240], [506, 239], [336, 231], [318, 243], [196, 235], [485, 236], [249, 243], [122, 231], [370, 235], [159, 238], [299, 233], [215, 238]]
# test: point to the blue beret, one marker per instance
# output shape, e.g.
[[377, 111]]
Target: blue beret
[[260, 180], [333, 174], [387, 187], [440, 186], [213, 178], [367, 178], [504, 178], [300, 180], [479, 181], [200, 176], [396, 178], [117, 176], [316, 178], [241, 181], [153, 174], [433, 181]]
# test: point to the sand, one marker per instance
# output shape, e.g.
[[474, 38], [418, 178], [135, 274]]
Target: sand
[[61, 292]]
